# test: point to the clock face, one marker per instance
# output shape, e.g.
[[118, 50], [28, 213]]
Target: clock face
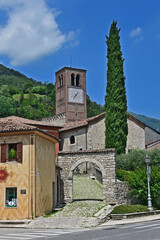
[[75, 95]]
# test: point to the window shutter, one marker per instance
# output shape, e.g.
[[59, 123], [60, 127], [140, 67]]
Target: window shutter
[[3, 152], [19, 152]]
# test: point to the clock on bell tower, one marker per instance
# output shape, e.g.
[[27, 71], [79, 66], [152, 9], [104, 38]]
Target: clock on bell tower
[[71, 93]]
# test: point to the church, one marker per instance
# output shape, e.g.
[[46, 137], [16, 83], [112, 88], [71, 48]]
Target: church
[[78, 132]]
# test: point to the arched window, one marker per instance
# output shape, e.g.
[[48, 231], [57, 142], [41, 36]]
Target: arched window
[[77, 80], [59, 81], [72, 139], [72, 79], [60, 78]]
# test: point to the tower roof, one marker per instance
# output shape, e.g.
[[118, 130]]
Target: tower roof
[[70, 68]]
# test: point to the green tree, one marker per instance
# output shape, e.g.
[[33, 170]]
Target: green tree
[[6, 106], [115, 100]]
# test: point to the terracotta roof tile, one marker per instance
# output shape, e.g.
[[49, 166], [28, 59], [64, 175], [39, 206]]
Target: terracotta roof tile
[[10, 125], [29, 121], [13, 124]]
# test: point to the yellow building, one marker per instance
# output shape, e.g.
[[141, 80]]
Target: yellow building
[[27, 171]]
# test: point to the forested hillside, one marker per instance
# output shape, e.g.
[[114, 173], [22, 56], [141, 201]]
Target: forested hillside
[[152, 122], [25, 97]]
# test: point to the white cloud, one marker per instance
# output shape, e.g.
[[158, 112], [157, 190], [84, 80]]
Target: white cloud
[[31, 31], [136, 32]]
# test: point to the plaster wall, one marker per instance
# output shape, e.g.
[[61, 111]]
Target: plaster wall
[[18, 176], [45, 176]]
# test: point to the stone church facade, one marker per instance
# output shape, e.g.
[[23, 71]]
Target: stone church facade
[[79, 133], [90, 134], [83, 139]]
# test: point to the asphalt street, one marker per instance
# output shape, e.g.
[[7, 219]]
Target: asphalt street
[[139, 231]]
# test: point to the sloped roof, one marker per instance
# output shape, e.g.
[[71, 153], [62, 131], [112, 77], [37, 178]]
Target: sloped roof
[[92, 120], [135, 120], [54, 117], [14, 124], [83, 123], [141, 124], [11, 124], [29, 121], [152, 143]]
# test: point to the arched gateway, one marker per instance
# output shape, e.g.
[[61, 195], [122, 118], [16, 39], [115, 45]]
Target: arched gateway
[[113, 192]]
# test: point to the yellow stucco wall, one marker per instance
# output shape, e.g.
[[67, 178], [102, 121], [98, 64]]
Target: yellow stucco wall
[[35, 174], [18, 176], [45, 176]]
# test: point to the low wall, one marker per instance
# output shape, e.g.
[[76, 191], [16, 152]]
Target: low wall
[[133, 215]]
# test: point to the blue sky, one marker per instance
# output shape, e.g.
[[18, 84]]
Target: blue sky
[[38, 37]]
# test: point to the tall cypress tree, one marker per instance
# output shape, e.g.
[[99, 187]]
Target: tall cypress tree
[[115, 100]]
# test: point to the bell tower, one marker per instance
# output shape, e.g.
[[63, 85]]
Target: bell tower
[[71, 93]]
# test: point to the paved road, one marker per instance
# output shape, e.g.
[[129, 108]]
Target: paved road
[[140, 231]]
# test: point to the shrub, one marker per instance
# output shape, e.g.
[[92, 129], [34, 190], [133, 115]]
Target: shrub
[[137, 182], [136, 159], [123, 175], [12, 153], [123, 209]]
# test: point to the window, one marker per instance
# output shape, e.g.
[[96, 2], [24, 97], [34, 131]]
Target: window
[[72, 139], [72, 79], [77, 80], [11, 197], [60, 81], [11, 152]]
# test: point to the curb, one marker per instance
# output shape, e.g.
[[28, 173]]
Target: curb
[[14, 223], [131, 220]]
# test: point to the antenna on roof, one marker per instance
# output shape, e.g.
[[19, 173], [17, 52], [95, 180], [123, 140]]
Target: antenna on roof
[[70, 61]]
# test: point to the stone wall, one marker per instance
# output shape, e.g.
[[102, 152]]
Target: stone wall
[[136, 136], [104, 159], [80, 140], [96, 135], [122, 193], [86, 138]]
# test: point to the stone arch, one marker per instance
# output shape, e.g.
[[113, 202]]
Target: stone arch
[[104, 159], [87, 160]]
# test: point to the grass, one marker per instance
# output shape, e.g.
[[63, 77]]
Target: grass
[[50, 214], [86, 188], [16, 97], [123, 209], [87, 194]]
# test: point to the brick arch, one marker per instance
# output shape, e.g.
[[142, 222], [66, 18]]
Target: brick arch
[[76, 164]]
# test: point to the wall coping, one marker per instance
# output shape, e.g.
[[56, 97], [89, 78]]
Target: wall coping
[[133, 215], [109, 150]]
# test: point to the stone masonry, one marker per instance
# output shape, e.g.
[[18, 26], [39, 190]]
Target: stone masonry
[[105, 160]]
